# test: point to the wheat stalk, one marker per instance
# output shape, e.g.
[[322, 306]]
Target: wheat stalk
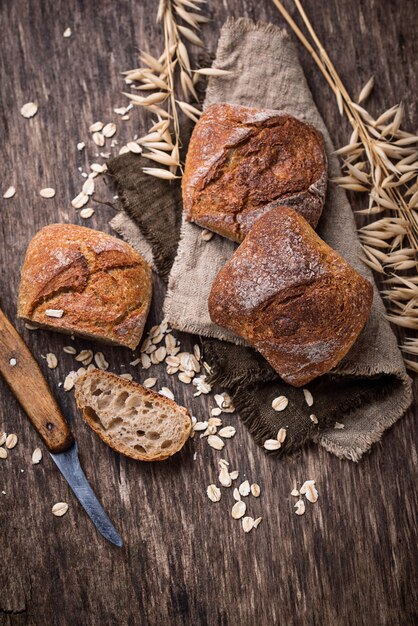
[[382, 160], [159, 76]]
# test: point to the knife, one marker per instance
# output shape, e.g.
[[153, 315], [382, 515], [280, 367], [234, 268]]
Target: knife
[[23, 375]]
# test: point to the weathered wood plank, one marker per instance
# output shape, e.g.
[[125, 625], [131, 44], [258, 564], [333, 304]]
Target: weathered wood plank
[[348, 561]]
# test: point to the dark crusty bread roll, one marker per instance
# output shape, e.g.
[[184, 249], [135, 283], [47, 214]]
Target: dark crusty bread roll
[[242, 162], [131, 419], [101, 285], [292, 297]]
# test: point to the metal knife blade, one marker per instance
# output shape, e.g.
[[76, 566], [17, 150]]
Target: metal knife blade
[[69, 465]]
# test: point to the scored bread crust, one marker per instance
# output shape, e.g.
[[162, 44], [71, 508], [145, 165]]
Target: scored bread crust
[[242, 162], [101, 283], [118, 424], [292, 297]]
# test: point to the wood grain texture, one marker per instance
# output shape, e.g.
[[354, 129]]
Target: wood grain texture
[[350, 560]]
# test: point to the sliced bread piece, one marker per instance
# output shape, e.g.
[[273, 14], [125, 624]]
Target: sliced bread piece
[[131, 419]]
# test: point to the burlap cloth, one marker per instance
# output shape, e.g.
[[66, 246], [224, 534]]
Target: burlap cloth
[[369, 390]]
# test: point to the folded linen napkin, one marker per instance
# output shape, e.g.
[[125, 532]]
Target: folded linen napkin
[[369, 390]]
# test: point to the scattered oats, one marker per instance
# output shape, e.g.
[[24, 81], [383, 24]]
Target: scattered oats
[[124, 150], [67, 33], [36, 456], [132, 146], [224, 477], [338, 426], [165, 391], [13, 362], [184, 378], [214, 493], [126, 376], [308, 397], [244, 488], [206, 235], [96, 127], [313, 418], [135, 362], [145, 361], [125, 117], [9, 193], [29, 109], [281, 435], [247, 524], [295, 493], [216, 411], [300, 507], [86, 213], [227, 432], [272, 444], [238, 510], [91, 367], [80, 146], [109, 130], [196, 352], [215, 442], [97, 168], [79, 201], [98, 139], [120, 110], [211, 430], [280, 403], [170, 343], [11, 441], [31, 326], [3, 453], [310, 491], [85, 357], [257, 522], [149, 382], [215, 421], [200, 426], [2, 438], [305, 486], [160, 354], [70, 380], [172, 361], [172, 370], [51, 360], [234, 475], [54, 313], [236, 494], [255, 490], [47, 192], [59, 509], [100, 361], [69, 350], [88, 187]]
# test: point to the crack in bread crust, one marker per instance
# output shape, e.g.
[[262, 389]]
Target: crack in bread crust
[[243, 162], [103, 285], [292, 297]]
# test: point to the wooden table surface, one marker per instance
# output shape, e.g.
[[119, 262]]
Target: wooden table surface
[[351, 559]]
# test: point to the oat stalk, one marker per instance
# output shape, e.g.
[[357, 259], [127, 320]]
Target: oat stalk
[[158, 79], [382, 160]]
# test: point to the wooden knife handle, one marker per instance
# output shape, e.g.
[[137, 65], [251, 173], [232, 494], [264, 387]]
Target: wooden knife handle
[[28, 384]]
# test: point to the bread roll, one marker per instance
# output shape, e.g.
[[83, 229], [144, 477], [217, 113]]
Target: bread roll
[[131, 419], [292, 297], [242, 162], [82, 281]]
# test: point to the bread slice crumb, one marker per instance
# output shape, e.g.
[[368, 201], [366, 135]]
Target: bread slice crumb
[[131, 419]]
